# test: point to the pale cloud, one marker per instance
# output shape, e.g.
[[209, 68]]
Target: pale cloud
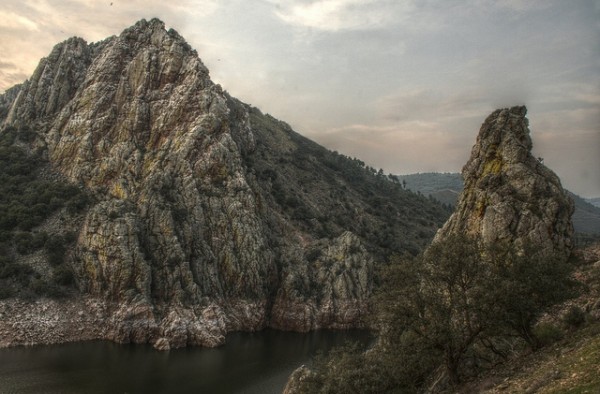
[[336, 15], [417, 131], [401, 148], [574, 157], [402, 85], [410, 15], [11, 74], [14, 21], [429, 103], [517, 5], [38, 25]]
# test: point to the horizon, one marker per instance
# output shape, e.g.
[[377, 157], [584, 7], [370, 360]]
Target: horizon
[[403, 87]]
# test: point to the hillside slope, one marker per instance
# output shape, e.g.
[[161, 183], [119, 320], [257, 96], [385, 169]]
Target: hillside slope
[[570, 363], [205, 215]]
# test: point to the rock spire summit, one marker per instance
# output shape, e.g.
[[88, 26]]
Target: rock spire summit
[[509, 195]]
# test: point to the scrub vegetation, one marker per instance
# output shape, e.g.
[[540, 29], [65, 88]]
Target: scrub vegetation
[[27, 199], [451, 314]]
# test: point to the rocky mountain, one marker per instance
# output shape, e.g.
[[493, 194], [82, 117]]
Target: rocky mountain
[[509, 195], [201, 214], [446, 188]]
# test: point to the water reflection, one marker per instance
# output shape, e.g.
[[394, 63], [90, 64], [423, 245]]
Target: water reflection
[[248, 363]]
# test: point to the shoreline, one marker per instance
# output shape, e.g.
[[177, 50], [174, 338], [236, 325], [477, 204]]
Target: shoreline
[[47, 321]]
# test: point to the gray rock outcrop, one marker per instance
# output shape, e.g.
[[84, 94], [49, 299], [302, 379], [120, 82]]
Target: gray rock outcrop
[[509, 195], [204, 208]]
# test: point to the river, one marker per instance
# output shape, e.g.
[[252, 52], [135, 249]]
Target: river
[[249, 363]]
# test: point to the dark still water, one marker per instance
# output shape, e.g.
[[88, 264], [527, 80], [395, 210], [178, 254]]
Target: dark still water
[[248, 363]]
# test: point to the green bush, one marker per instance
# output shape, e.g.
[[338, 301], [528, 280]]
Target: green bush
[[42, 287], [55, 252], [77, 203], [19, 272], [574, 317], [524, 285], [349, 370], [39, 240], [457, 300], [23, 242], [313, 254], [6, 291], [547, 333], [63, 275], [26, 201]]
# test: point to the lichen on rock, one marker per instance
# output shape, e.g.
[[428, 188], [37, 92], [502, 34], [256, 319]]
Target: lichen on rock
[[509, 195]]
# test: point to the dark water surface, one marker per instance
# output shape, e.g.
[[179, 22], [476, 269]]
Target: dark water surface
[[249, 363]]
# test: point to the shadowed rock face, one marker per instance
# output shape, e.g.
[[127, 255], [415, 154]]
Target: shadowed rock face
[[187, 238], [509, 195]]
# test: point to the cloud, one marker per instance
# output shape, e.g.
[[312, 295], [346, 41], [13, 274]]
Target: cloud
[[517, 5], [429, 103], [433, 130], [568, 140], [401, 148], [337, 15], [403, 85], [38, 25], [573, 155], [14, 21], [11, 74], [411, 15]]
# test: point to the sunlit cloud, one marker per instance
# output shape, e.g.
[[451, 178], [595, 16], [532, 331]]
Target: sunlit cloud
[[336, 15], [39, 25], [11, 20]]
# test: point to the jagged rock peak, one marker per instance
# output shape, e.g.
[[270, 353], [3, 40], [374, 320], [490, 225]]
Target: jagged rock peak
[[53, 82], [154, 32], [509, 195], [503, 136], [145, 53]]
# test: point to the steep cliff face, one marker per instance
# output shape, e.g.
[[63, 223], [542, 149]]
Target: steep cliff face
[[509, 195], [209, 216]]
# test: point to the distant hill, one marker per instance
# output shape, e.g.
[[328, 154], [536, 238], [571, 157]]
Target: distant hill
[[594, 201], [445, 188], [586, 217]]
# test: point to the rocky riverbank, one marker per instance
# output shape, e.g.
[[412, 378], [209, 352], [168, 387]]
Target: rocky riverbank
[[46, 321]]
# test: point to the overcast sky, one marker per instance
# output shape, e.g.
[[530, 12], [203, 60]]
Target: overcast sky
[[402, 85]]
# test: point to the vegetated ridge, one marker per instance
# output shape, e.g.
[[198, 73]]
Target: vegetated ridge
[[188, 214]]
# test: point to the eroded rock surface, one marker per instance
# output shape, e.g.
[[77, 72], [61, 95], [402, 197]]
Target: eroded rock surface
[[509, 195], [200, 223]]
